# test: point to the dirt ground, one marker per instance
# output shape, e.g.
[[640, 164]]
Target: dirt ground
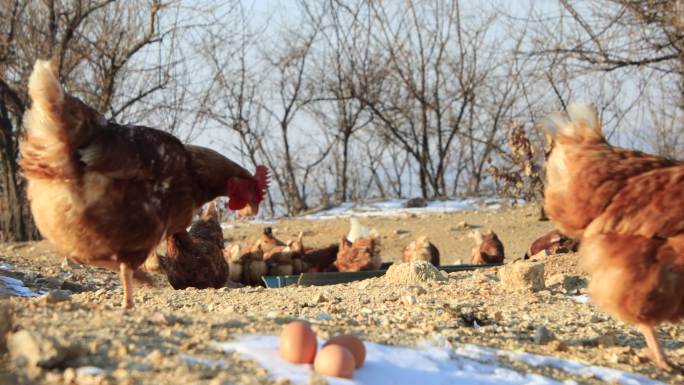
[[168, 338]]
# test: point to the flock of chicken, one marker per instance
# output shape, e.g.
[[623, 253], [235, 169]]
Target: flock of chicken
[[197, 259], [106, 194]]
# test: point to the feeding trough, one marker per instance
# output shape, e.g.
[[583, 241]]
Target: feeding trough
[[333, 278]]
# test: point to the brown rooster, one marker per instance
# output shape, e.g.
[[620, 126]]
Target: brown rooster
[[554, 242], [362, 254], [421, 250], [312, 260], [195, 258], [487, 249], [626, 208], [105, 194]]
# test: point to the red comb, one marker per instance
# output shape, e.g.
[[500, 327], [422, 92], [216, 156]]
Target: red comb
[[261, 179]]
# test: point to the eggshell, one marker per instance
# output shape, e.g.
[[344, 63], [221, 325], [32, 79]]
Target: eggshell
[[336, 361], [353, 344], [298, 343]]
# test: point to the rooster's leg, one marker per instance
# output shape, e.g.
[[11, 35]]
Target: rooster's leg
[[139, 277], [127, 284], [653, 350]]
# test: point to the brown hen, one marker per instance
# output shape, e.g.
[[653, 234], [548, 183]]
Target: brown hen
[[553, 242], [421, 250], [487, 249], [105, 194], [362, 254], [312, 260], [626, 208], [195, 258]]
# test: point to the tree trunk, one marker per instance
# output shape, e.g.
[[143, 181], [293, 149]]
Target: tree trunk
[[16, 222], [345, 166]]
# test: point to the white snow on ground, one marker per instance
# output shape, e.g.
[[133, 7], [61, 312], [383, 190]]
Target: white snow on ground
[[14, 287], [396, 207], [574, 368], [430, 365], [582, 298]]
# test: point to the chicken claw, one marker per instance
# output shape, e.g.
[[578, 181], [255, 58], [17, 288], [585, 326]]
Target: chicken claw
[[654, 352]]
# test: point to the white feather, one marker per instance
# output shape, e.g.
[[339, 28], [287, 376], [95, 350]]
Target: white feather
[[357, 230]]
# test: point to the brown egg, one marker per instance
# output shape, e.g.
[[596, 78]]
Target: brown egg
[[336, 361], [298, 343], [351, 343]]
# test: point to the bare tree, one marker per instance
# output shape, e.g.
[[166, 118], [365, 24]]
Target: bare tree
[[119, 57], [346, 58], [633, 44], [424, 99]]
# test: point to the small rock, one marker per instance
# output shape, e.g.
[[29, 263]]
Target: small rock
[[39, 350], [282, 381], [121, 374], [417, 290], [69, 375], [49, 282], [72, 287], [523, 276], [416, 203], [413, 273], [68, 264], [156, 358], [605, 339], [54, 296], [408, 299], [542, 336], [366, 311], [54, 377], [318, 298], [317, 379], [323, 316], [273, 314], [90, 375], [220, 381], [164, 319], [462, 225], [558, 346], [571, 284], [401, 231]]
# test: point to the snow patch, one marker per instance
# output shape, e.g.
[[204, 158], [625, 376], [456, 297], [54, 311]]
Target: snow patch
[[14, 288], [90, 371], [582, 298], [6, 266], [429, 365], [574, 368], [396, 208], [194, 361]]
